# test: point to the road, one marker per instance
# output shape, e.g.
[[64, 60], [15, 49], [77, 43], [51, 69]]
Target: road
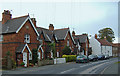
[[96, 67]]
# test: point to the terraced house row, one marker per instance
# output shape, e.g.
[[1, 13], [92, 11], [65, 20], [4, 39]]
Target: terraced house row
[[20, 35]]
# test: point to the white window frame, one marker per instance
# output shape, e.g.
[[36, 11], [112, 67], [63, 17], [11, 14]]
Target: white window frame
[[27, 38], [68, 42], [51, 54], [30, 56], [1, 37], [39, 55], [57, 54]]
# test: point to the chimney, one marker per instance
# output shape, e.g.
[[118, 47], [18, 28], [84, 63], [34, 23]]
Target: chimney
[[73, 33], [95, 36], [34, 21], [51, 27], [6, 15]]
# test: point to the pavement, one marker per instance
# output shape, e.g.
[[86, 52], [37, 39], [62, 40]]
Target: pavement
[[111, 69]]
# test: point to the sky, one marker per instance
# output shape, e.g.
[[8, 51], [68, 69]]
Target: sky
[[88, 16]]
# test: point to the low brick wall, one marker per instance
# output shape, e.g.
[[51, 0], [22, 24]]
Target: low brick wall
[[45, 62]]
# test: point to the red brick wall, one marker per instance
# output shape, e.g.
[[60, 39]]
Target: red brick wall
[[19, 37], [83, 45], [63, 43]]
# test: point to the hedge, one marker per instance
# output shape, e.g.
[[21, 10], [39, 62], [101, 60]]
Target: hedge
[[69, 58]]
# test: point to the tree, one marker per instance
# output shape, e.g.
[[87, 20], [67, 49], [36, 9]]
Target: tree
[[34, 56], [66, 50], [108, 33]]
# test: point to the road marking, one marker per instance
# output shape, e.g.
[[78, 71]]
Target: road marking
[[104, 70], [67, 70], [92, 63], [89, 70]]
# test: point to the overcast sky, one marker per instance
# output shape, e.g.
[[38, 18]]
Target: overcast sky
[[83, 17]]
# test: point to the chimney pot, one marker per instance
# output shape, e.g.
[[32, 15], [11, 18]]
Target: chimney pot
[[95, 36], [73, 33], [6, 15], [51, 27], [34, 21]]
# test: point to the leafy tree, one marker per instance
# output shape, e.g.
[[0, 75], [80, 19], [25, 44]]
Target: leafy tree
[[108, 33], [66, 50], [34, 56], [52, 45]]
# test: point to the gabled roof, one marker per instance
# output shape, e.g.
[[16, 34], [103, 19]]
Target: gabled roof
[[104, 42], [21, 48], [15, 24], [61, 33], [47, 33], [81, 38]]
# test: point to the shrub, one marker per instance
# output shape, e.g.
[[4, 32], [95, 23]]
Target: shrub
[[34, 56], [13, 64], [66, 51], [22, 64], [69, 58]]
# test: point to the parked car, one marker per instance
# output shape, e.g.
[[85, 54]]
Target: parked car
[[107, 56], [93, 57], [82, 58], [101, 57]]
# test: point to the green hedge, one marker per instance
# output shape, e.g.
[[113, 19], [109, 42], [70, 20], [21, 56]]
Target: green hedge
[[69, 58]]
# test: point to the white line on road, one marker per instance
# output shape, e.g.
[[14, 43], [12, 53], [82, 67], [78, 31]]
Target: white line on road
[[88, 71], [68, 70], [90, 64]]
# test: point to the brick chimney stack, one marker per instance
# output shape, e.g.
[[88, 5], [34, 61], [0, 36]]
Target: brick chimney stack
[[34, 21], [73, 33], [95, 36], [51, 27], [6, 15]]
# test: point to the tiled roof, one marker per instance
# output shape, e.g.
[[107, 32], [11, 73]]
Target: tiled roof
[[59, 33], [104, 42], [47, 33], [12, 25], [116, 44], [81, 38]]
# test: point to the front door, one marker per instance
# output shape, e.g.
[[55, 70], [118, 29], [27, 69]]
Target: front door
[[39, 56], [25, 58]]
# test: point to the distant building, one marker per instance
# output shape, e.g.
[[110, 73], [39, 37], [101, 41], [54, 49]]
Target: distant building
[[115, 49], [100, 46]]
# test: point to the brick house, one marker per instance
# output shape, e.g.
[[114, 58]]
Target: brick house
[[61, 37], [19, 36], [115, 49], [46, 38], [82, 42]]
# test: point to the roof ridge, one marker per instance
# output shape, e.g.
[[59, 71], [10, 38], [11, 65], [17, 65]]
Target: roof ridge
[[62, 29], [43, 28], [20, 17], [80, 35]]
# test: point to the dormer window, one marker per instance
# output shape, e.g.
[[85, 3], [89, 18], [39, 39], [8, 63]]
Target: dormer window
[[27, 38]]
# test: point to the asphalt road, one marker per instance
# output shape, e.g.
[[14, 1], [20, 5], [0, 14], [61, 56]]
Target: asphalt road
[[96, 67]]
